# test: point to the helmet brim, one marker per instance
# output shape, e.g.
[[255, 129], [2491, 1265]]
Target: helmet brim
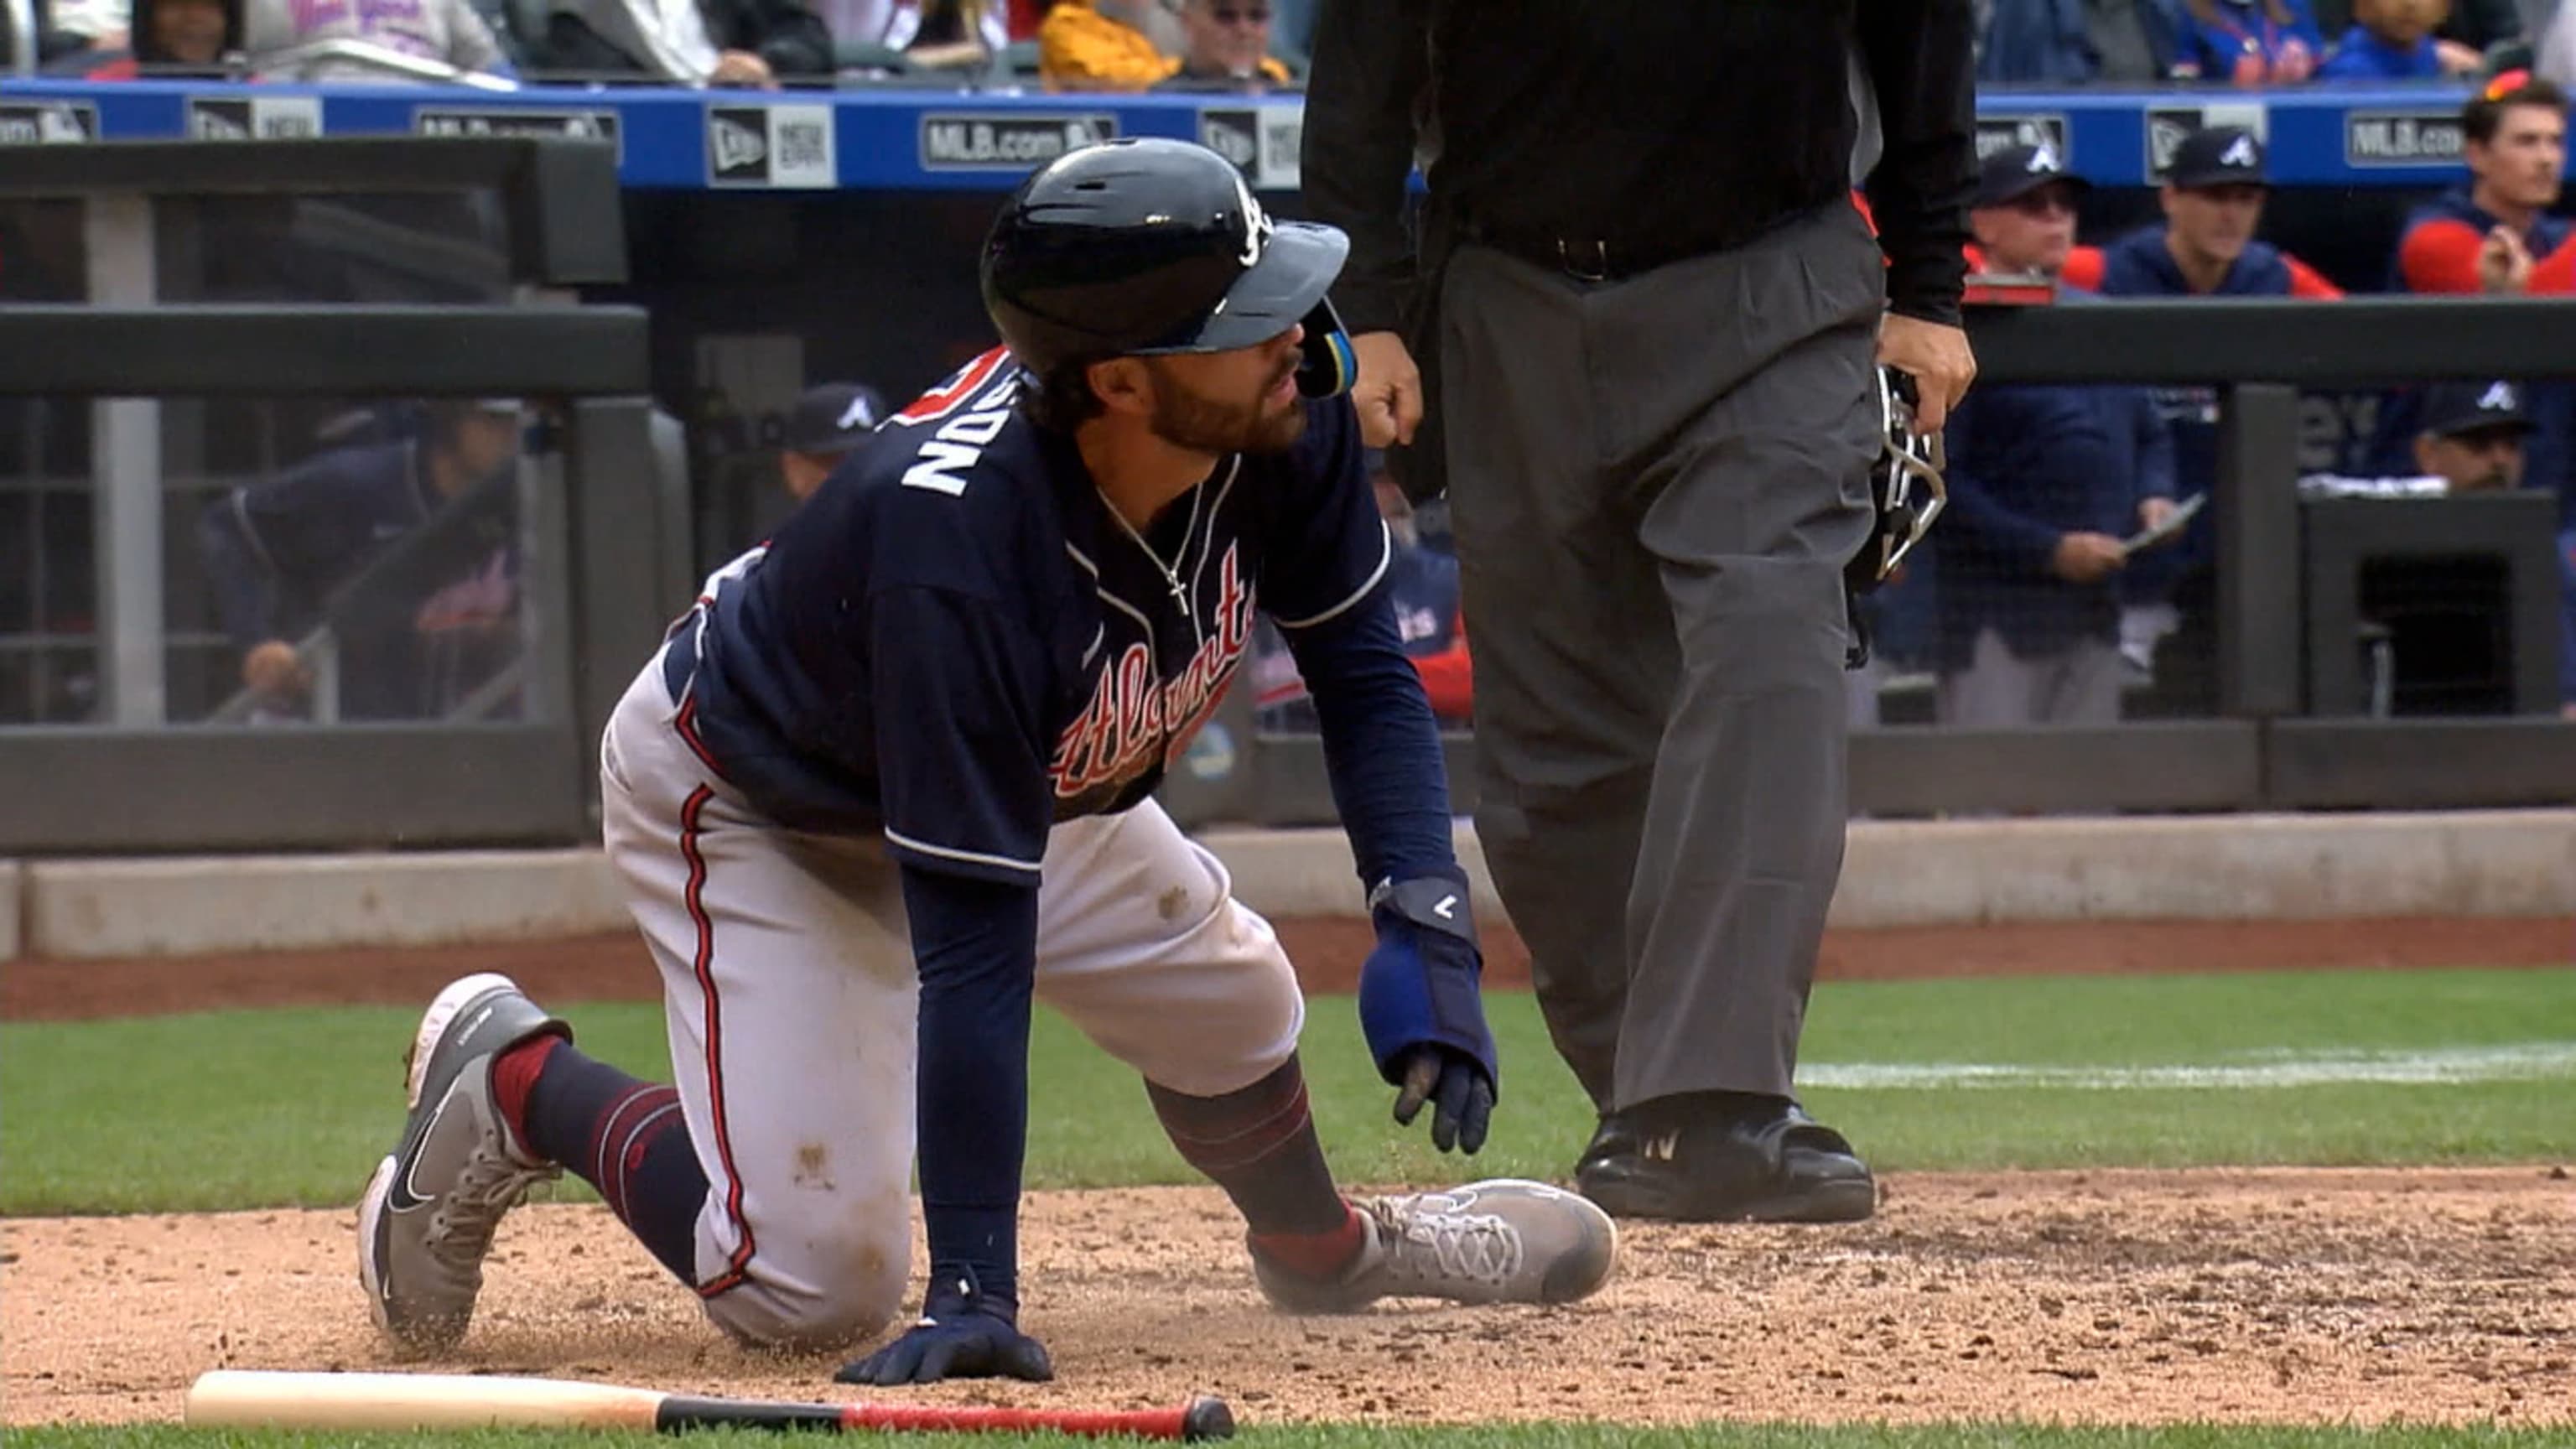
[[1295, 271]]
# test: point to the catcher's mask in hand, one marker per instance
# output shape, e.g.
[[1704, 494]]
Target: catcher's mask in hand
[[1905, 487]]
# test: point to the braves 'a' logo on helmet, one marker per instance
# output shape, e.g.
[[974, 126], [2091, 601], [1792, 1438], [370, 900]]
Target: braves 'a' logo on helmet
[[1256, 223]]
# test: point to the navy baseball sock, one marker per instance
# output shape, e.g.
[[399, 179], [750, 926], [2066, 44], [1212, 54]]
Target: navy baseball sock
[[1259, 1145], [620, 1134]]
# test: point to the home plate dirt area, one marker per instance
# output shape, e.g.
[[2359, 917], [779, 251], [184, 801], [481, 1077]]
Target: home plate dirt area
[[2283, 1296]]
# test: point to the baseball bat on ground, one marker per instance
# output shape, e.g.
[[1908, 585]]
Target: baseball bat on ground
[[332, 1401]]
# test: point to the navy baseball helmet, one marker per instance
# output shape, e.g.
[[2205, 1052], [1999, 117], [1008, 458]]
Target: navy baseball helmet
[[1150, 245]]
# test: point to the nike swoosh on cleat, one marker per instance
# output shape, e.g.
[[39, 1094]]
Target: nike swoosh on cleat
[[400, 1195]]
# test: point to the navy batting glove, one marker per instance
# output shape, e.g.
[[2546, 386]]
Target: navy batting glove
[[1422, 1010], [1461, 1094], [963, 1334]]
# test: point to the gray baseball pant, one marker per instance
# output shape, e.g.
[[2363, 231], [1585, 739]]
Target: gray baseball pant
[[1655, 483]]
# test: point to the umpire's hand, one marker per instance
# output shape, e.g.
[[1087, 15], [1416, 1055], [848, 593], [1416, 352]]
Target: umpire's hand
[[1936, 356], [1388, 393]]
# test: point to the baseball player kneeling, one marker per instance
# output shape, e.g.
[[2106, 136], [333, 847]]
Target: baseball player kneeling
[[891, 778]]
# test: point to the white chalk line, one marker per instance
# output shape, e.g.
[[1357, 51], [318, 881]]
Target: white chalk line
[[2523, 1062]]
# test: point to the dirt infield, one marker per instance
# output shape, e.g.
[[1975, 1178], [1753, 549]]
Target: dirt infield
[[2313, 1297]]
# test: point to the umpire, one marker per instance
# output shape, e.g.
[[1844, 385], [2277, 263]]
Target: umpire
[[1646, 311]]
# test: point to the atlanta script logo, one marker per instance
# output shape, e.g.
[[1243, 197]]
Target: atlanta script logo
[[1136, 721]]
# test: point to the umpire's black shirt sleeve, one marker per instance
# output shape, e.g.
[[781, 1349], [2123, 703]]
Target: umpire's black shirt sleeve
[[1921, 55], [1638, 132], [1370, 60]]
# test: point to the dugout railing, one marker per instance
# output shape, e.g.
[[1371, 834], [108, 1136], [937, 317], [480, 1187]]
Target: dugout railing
[[2265, 747], [601, 559]]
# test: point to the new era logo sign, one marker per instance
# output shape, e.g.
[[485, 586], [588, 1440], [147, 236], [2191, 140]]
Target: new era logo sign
[[738, 145], [1233, 135], [785, 146], [265, 118]]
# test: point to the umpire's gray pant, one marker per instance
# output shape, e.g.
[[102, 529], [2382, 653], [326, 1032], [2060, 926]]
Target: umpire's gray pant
[[1655, 483]]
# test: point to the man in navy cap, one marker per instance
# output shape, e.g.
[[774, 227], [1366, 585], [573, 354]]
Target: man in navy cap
[[2472, 435], [2023, 215], [2213, 199], [828, 421]]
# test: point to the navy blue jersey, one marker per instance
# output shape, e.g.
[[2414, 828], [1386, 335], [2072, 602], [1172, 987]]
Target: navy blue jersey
[[955, 642]]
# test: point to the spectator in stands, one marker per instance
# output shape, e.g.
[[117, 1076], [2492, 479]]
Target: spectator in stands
[[971, 28], [1228, 48], [1116, 45], [2393, 40], [2080, 42], [2248, 42], [87, 25], [441, 30], [2044, 483], [1104, 45], [177, 35], [278, 553], [1423, 583], [2476, 24], [828, 421], [750, 43], [2557, 58]]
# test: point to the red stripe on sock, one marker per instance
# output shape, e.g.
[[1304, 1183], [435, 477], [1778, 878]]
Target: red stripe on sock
[[610, 1135], [1249, 1143], [1315, 1255]]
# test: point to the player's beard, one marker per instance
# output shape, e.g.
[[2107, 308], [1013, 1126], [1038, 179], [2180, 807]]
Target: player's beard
[[1184, 419]]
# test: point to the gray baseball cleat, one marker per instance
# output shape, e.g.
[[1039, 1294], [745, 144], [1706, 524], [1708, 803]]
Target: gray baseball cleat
[[1500, 1241], [428, 1214]]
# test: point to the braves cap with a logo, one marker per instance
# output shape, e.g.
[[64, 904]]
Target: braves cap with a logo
[[833, 418], [2017, 171], [2454, 408], [2219, 156]]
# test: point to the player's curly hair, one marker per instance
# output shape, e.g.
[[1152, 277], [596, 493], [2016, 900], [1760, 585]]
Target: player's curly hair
[[1063, 400]]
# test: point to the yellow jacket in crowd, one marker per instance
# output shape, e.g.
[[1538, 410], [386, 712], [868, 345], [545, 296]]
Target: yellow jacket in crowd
[[1080, 49]]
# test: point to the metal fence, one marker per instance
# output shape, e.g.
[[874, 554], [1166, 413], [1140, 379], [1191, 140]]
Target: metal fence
[[2290, 728], [161, 756], [596, 539]]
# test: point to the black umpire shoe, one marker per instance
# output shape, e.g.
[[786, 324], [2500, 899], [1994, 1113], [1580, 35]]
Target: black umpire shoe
[[1719, 1157]]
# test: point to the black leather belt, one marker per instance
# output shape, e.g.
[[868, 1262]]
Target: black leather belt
[[1590, 259]]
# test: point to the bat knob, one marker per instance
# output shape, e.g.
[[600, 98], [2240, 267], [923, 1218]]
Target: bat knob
[[1207, 1417]]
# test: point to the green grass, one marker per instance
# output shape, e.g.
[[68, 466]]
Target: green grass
[[255, 1109], [1530, 1436]]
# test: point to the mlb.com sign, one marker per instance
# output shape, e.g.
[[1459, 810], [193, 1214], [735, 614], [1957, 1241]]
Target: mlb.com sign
[[1007, 140], [2402, 138]]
